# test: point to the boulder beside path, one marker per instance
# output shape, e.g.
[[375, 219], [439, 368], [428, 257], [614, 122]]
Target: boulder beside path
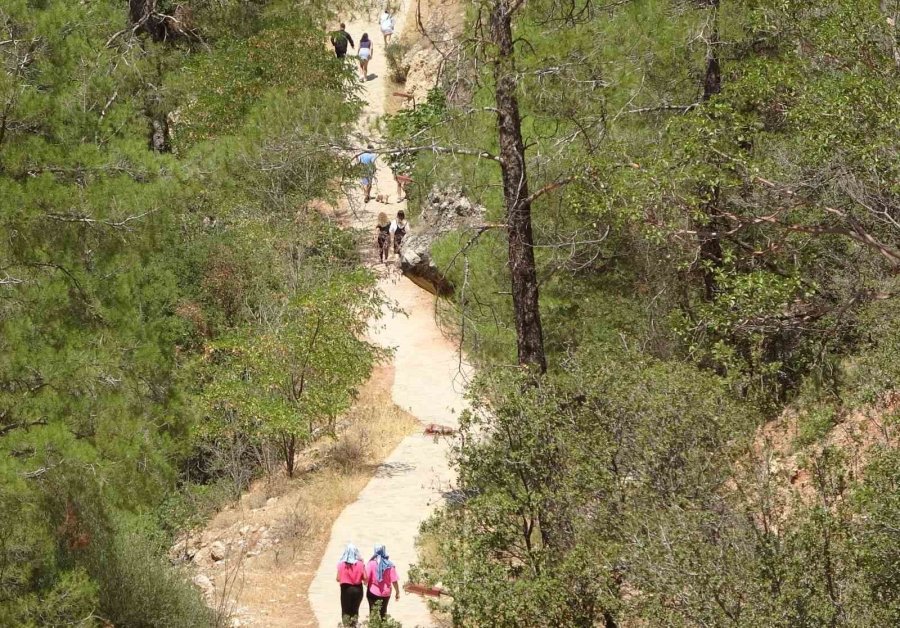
[[446, 209]]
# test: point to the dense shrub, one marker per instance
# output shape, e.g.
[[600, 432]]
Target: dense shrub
[[127, 271], [398, 64]]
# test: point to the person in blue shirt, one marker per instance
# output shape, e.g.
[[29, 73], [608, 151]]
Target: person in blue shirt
[[367, 161]]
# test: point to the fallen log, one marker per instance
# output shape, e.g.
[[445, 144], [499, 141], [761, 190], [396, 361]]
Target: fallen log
[[423, 589]]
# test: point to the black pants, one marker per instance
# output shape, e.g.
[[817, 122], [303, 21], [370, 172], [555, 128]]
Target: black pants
[[383, 245], [398, 239], [351, 598], [374, 599], [340, 54]]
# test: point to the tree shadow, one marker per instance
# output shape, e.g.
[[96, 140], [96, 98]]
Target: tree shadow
[[392, 469]]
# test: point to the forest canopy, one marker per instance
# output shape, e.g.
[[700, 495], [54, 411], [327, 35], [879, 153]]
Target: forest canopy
[[164, 285], [714, 192], [682, 303]]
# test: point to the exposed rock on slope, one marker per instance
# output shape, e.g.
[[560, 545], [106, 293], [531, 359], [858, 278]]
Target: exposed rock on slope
[[781, 453], [446, 210], [433, 40]]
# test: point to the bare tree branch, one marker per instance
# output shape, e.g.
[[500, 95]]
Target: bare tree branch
[[6, 429], [121, 224], [550, 187], [678, 108]]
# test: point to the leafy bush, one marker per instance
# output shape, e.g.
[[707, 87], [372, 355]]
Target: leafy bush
[[128, 270], [408, 122], [814, 423], [139, 588], [349, 453], [398, 66], [561, 473]]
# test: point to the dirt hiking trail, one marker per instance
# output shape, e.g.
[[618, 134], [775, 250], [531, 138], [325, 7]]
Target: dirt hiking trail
[[270, 558], [429, 383]]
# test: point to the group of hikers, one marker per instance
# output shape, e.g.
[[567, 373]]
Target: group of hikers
[[340, 39], [387, 231], [367, 160], [377, 576]]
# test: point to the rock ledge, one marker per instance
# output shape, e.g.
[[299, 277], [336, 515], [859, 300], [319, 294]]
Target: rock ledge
[[446, 209]]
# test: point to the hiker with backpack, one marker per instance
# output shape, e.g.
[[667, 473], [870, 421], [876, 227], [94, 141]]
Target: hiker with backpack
[[339, 39], [398, 229]]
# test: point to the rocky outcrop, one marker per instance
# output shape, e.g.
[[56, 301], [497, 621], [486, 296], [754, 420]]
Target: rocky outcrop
[[446, 210], [431, 43], [218, 551]]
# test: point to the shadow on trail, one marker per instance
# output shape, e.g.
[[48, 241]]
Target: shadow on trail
[[393, 469]]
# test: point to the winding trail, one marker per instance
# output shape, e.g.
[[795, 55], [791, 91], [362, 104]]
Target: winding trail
[[429, 383]]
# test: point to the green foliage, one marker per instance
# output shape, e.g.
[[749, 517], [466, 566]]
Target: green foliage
[[731, 226], [138, 587], [291, 379], [558, 476], [395, 53], [877, 510], [814, 423], [726, 247], [876, 368], [125, 270], [409, 124]]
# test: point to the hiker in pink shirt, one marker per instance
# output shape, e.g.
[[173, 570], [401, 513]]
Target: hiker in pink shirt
[[351, 574], [382, 575]]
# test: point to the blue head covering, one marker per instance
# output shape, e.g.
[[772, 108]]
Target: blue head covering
[[351, 554], [382, 562]]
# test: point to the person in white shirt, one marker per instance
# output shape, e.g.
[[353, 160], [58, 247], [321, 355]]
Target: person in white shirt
[[387, 25], [399, 227]]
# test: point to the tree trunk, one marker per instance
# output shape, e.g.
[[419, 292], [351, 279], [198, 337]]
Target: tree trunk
[[288, 452], [159, 136], [712, 81], [529, 335], [708, 232], [143, 14]]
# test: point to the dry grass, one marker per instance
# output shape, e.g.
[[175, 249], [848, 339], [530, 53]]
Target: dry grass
[[274, 580], [349, 453]]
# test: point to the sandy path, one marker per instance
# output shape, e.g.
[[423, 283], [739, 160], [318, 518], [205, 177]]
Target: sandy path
[[429, 383]]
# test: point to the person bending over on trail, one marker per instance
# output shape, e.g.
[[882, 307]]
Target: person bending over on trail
[[382, 575], [351, 575], [367, 160], [402, 181], [339, 39], [364, 54], [399, 227], [386, 21], [383, 236]]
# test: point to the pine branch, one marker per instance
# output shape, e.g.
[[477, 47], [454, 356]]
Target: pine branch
[[121, 224], [6, 429]]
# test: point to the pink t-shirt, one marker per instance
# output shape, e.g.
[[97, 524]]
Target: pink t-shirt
[[351, 574], [383, 588]]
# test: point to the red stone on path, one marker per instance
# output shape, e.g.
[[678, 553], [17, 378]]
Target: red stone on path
[[439, 430]]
